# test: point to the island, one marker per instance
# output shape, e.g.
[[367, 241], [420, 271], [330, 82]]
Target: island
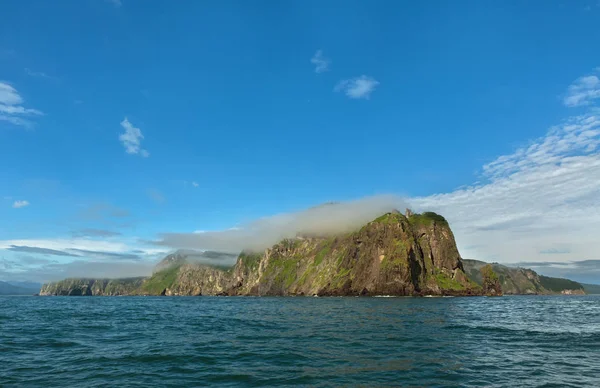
[[396, 254]]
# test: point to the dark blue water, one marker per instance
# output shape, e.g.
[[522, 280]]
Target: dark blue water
[[196, 341]]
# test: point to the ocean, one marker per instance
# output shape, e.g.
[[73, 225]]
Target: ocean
[[518, 341]]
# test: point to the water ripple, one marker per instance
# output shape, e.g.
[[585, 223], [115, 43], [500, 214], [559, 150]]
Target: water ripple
[[467, 342]]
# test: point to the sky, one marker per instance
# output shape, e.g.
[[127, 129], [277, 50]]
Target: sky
[[132, 128]]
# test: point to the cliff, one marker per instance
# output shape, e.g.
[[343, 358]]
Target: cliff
[[522, 281], [392, 255]]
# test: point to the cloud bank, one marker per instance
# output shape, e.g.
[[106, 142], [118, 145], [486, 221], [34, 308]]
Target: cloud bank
[[325, 219]]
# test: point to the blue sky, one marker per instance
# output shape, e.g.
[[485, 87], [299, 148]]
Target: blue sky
[[124, 120]]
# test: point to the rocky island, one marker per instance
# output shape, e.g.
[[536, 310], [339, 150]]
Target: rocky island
[[396, 254]]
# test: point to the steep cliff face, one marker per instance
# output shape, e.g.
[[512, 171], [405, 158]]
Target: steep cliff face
[[392, 255]]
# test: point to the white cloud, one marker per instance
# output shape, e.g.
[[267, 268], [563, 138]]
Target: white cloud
[[11, 108], [583, 91], [539, 197], [132, 139], [195, 184], [321, 63], [19, 204], [116, 3], [359, 87]]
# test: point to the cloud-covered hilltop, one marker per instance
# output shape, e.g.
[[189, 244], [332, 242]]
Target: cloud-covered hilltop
[[326, 219]]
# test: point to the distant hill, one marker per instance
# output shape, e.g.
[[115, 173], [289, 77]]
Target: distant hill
[[523, 281], [591, 288], [18, 288]]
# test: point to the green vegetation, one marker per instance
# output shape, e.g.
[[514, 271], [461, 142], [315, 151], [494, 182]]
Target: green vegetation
[[289, 243], [161, 280], [283, 270], [427, 219], [559, 284], [323, 252], [340, 278], [446, 282], [388, 218], [251, 260], [488, 274]]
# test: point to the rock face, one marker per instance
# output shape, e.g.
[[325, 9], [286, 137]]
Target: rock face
[[392, 255], [522, 281]]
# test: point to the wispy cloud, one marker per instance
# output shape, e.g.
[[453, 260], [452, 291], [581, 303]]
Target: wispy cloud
[[555, 251], [321, 63], [39, 74], [12, 109], [91, 232], [583, 91], [43, 251], [79, 247], [20, 204], [132, 139], [195, 184], [357, 88], [116, 3]]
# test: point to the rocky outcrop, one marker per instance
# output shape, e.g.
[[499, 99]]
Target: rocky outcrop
[[490, 282], [392, 255]]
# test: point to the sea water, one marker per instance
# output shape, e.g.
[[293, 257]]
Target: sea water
[[251, 341]]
